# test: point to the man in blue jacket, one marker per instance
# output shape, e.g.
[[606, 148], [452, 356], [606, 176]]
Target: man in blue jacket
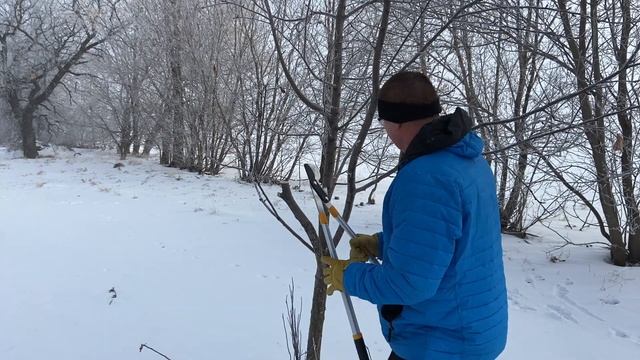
[[440, 289]]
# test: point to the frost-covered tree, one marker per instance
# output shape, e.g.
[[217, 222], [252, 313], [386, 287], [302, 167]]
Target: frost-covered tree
[[42, 43]]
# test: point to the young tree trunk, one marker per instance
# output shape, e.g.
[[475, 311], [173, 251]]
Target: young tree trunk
[[135, 132], [318, 302], [318, 308], [508, 214], [165, 147], [626, 159], [177, 98], [134, 95], [364, 129], [504, 177], [332, 109], [125, 134], [150, 139], [511, 214], [146, 148]]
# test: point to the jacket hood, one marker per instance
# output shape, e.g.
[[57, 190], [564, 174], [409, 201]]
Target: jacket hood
[[450, 132], [469, 147]]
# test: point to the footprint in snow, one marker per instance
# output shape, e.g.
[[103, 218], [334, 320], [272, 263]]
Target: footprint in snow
[[528, 266], [516, 300], [562, 312], [563, 293], [553, 315], [610, 301], [618, 333]]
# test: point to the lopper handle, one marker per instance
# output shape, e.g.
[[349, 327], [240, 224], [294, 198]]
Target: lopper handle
[[361, 348]]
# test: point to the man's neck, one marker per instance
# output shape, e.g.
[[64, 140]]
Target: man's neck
[[411, 130]]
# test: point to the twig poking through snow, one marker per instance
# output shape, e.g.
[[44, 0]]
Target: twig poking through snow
[[291, 325], [142, 346], [114, 295]]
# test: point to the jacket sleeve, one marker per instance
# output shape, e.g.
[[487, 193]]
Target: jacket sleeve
[[380, 244], [426, 219]]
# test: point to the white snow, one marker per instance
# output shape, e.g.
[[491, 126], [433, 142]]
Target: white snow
[[201, 271]]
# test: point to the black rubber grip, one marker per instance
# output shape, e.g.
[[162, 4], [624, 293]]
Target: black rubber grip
[[361, 348]]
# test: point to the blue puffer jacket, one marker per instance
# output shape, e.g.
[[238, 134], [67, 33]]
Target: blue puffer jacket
[[442, 259]]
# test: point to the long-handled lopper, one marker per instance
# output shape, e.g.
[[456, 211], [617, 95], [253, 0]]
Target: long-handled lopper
[[321, 200], [322, 196]]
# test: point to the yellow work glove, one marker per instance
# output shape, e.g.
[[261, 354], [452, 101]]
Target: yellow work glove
[[334, 273], [363, 247]]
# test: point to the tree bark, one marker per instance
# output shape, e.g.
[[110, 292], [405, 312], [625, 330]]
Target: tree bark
[[332, 114], [125, 133], [165, 142], [28, 135], [318, 309], [626, 159], [136, 137], [177, 98]]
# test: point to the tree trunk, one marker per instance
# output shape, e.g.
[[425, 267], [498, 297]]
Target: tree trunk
[[165, 147], [177, 98], [4, 75], [135, 136], [29, 148], [332, 109], [316, 321], [504, 177], [146, 149], [509, 214], [594, 131], [125, 134], [626, 159], [150, 139]]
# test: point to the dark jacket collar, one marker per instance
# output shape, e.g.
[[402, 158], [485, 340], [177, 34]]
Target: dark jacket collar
[[437, 135]]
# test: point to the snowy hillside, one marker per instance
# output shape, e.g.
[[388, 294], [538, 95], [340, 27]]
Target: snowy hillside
[[200, 270]]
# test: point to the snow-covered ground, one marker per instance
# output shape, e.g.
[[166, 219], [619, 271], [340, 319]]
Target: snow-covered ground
[[201, 271]]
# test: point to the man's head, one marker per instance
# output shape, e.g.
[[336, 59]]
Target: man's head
[[406, 102]]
